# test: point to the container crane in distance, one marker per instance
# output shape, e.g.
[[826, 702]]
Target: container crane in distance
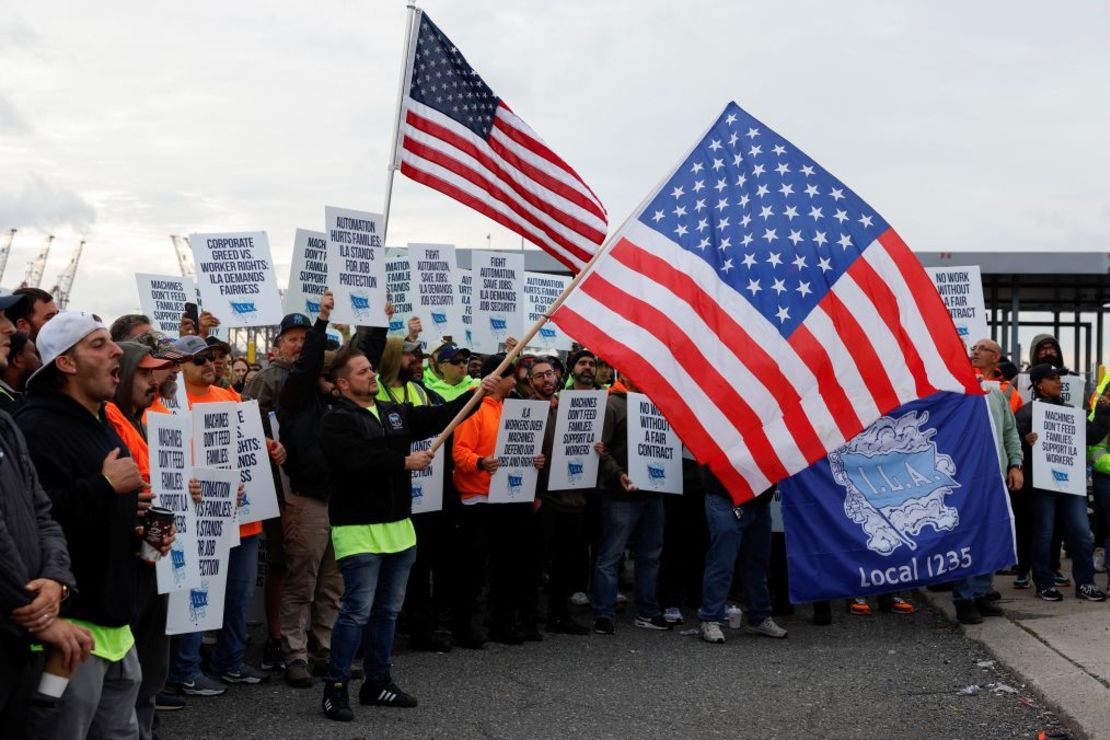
[[64, 287], [37, 266]]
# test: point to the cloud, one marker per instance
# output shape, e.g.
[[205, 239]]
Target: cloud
[[11, 120], [44, 206]]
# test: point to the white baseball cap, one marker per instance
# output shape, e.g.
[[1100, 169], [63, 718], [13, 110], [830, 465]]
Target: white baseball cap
[[62, 333]]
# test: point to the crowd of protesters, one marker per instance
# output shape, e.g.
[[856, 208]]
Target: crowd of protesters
[[82, 625]]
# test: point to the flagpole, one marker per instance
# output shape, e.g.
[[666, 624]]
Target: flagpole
[[402, 86]]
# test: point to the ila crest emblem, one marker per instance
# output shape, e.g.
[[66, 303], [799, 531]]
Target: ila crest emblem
[[896, 481]]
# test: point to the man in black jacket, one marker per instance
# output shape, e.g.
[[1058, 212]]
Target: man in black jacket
[[310, 599], [35, 576], [97, 494], [368, 446], [1050, 507]]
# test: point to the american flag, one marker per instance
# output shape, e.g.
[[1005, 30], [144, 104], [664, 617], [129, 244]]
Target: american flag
[[461, 139], [765, 308]]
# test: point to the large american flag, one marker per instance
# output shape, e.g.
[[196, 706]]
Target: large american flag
[[461, 139], [765, 308]]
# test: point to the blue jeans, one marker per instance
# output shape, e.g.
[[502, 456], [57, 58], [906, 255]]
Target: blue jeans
[[373, 592], [639, 524], [750, 537], [1048, 506], [242, 573], [971, 587]]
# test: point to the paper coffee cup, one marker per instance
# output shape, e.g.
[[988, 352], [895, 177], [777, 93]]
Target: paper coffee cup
[[156, 528], [735, 614], [55, 678]]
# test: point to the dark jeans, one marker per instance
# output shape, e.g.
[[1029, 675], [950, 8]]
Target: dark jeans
[[373, 591], [504, 532], [748, 537], [1070, 511], [685, 541], [560, 538], [429, 577], [1021, 502], [638, 524], [231, 645]]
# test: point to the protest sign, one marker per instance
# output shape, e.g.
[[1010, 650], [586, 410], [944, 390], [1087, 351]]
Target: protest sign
[[915, 498], [654, 452], [216, 438], [1073, 390], [961, 289], [170, 469], [496, 299], [466, 292], [200, 606], [179, 404], [435, 290], [236, 278], [519, 440], [578, 423], [1060, 453], [260, 501], [540, 291], [398, 284], [1021, 385], [308, 275], [427, 484], [163, 298], [356, 266]]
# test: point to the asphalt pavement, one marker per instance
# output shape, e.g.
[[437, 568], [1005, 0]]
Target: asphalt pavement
[[885, 676]]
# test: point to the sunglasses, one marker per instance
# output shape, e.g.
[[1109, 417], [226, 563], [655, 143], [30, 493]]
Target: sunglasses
[[202, 361], [458, 361]]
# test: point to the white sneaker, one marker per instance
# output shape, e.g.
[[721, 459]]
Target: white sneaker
[[711, 632], [580, 599], [767, 628], [1100, 560], [673, 615]]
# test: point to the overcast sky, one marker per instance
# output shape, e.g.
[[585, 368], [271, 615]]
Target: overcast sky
[[969, 126]]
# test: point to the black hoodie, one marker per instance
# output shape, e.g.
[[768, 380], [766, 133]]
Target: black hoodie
[[68, 446], [301, 406]]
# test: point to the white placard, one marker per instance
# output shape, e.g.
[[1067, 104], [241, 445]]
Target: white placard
[[427, 484], [961, 289], [201, 606], [398, 284], [496, 299], [260, 500], [308, 275], [216, 438], [466, 292], [654, 452], [235, 275], [540, 291], [171, 466], [435, 290], [1073, 390], [1060, 452], [578, 423], [1021, 385], [519, 439], [356, 266], [163, 299]]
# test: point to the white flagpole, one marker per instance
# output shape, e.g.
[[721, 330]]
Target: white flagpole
[[412, 28]]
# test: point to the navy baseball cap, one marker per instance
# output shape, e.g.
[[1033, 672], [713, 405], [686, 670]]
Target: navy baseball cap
[[10, 301], [294, 321], [450, 351]]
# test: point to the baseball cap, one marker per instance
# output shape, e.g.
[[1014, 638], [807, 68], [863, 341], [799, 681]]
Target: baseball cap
[[411, 347], [61, 334], [147, 361], [10, 301], [294, 321], [1039, 372], [191, 345], [217, 343], [450, 351]]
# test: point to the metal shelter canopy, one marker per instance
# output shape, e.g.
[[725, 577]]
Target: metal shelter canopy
[[1065, 285]]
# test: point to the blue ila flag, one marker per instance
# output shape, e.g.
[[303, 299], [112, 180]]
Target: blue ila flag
[[915, 498]]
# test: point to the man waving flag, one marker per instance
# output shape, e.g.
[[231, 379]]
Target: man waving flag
[[765, 308], [458, 137]]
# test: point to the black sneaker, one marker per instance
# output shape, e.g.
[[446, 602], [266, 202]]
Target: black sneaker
[[604, 626], [1050, 594], [272, 657], [246, 675], [1060, 579], [566, 626], [966, 613], [167, 702], [1089, 592], [653, 623], [987, 607], [336, 704], [385, 694]]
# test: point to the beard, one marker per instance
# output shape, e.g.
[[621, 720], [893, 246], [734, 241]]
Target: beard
[[168, 387]]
